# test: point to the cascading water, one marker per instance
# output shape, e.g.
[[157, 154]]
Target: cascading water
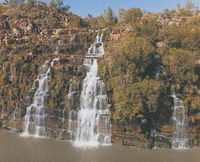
[[14, 119], [35, 113], [180, 138], [96, 49], [93, 119], [63, 123], [72, 97]]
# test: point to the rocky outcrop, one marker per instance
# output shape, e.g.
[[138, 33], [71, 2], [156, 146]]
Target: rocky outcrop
[[27, 43], [28, 39]]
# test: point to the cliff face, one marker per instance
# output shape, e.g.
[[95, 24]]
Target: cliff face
[[144, 63], [27, 41]]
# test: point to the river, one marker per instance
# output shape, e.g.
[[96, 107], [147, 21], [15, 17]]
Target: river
[[14, 148]]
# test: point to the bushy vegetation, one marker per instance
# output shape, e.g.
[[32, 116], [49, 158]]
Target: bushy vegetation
[[149, 62], [149, 56], [31, 33]]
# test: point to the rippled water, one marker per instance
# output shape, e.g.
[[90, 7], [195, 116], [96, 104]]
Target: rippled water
[[14, 148]]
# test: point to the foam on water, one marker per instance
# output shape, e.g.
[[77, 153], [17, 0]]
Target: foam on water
[[180, 138], [93, 126], [34, 121]]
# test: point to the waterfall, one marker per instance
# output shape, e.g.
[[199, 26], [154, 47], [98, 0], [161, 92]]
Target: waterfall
[[96, 49], [63, 125], [35, 113], [14, 119], [180, 138], [72, 97], [93, 118]]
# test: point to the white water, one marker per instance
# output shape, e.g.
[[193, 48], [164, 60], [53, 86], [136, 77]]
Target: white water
[[35, 113], [15, 118], [93, 118], [96, 49], [180, 138], [63, 125]]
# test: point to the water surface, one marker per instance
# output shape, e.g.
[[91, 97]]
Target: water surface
[[14, 148]]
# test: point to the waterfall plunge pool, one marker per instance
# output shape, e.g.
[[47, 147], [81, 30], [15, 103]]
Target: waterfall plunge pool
[[14, 148]]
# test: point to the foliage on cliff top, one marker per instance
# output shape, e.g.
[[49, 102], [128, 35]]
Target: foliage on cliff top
[[146, 61], [49, 15]]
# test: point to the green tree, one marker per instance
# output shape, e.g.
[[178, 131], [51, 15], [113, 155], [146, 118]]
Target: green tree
[[121, 13], [132, 15], [189, 5], [178, 6], [182, 65], [109, 16], [65, 8], [59, 3], [30, 3], [52, 4], [14, 3]]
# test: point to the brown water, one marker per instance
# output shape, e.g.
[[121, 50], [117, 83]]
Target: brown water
[[17, 149]]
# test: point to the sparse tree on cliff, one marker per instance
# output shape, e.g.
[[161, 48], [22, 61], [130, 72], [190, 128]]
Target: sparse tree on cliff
[[52, 4], [109, 16], [121, 13], [59, 3], [30, 3], [132, 15], [189, 5], [14, 3], [178, 6]]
